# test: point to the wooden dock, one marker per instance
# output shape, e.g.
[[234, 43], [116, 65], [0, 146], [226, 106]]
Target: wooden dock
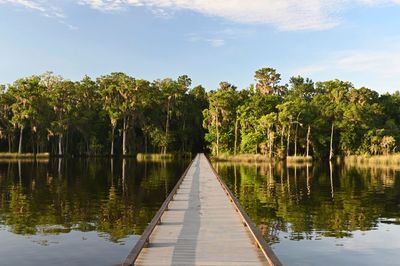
[[201, 223]]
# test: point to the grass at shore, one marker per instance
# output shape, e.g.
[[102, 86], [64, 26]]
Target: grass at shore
[[299, 159], [391, 159], [161, 156], [15, 155], [246, 158]]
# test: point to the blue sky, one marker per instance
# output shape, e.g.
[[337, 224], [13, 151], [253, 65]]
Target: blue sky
[[209, 40]]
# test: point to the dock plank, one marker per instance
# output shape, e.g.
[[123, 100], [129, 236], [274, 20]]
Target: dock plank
[[201, 226]]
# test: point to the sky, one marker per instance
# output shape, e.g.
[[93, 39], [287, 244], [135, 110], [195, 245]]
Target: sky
[[208, 40]]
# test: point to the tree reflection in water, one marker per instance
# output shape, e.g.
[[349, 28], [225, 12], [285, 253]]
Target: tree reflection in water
[[311, 201], [112, 197]]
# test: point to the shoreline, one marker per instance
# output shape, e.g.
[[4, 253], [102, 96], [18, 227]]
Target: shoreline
[[391, 159], [139, 156], [16, 155], [258, 158], [160, 156]]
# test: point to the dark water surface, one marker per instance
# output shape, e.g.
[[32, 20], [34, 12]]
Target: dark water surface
[[322, 214], [78, 212]]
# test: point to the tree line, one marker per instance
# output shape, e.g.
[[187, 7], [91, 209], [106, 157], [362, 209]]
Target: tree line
[[117, 114], [302, 118]]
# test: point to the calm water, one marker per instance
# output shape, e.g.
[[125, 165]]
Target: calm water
[[322, 215], [78, 212]]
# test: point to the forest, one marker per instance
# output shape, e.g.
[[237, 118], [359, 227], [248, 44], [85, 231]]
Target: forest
[[117, 114]]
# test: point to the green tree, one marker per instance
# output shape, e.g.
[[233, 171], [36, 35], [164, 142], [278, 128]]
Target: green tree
[[113, 90], [331, 100], [252, 107], [360, 115], [25, 109], [219, 118], [268, 81], [172, 92], [6, 127], [266, 123], [63, 100], [301, 92]]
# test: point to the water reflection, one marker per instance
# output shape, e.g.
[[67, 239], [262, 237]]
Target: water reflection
[[113, 198], [314, 201]]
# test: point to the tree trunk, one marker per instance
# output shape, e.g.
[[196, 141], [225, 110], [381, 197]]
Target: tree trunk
[[124, 129], [112, 139], [60, 145], [236, 136], [295, 140], [271, 147], [269, 143], [123, 175], [331, 176], [308, 180], [216, 122], [288, 142], [308, 141], [331, 145], [112, 169], [167, 126], [20, 139]]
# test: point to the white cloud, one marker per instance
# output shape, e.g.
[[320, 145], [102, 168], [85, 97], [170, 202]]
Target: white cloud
[[283, 14], [220, 37], [381, 69], [36, 5], [213, 41], [28, 4], [383, 63], [43, 7]]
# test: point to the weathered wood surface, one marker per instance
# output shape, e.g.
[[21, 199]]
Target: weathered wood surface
[[201, 226]]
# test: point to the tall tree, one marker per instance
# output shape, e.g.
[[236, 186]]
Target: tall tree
[[63, 101], [89, 117], [26, 92], [220, 117], [301, 92], [171, 93], [112, 100], [331, 100], [6, 127], [268, 81]]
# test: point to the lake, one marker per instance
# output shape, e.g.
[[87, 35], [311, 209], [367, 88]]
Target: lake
[[92, 212], [78, 212], [321, 214]]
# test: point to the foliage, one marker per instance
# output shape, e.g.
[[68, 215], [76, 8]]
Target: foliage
[[87, 117], [119, 114], [289, 120]]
